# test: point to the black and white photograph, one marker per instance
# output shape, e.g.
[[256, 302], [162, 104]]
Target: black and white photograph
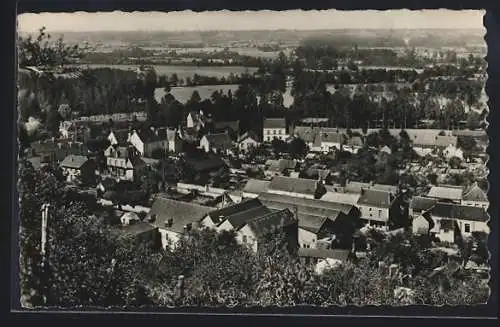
[[252, 159]]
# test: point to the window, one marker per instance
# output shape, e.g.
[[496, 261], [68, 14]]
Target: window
[[274, 132], [467, 228], [370, 209], [380, 213], [279, 132], [245, 239], [268, 132]]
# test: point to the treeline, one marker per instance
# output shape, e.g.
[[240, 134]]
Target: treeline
[[173, 80]]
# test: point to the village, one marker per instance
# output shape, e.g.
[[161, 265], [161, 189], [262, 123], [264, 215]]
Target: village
[[161, 182]]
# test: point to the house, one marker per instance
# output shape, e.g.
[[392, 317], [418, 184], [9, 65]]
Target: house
[[311, 213], [248, 140], [174, 218], [122, 165], [446, 193], [310, 135], [353, 144], [378, 207], [235, 216], [78, 168], [254, 187], [119, 137], [433, 141], [455, 220], [253, 232], [217, 143], [274, 128], [297, 187], [139, 231], [129, 218], [323, 258], [279, 167], [231, 127], [451, 151], [474, 196], [356, 187], [419, 205], [422, 224], [151, 140], [331, 140], [196, 119]]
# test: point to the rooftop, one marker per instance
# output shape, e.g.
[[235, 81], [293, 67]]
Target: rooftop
[[256, 186], [376, 198], [293, 185], [445, 193], [263, 224], [74, 161], [324, 253], [241, 210], [475, 193], [456, 211], [274, 123], [337, 197]]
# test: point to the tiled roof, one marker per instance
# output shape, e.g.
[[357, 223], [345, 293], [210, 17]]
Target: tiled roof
[[337, 197], [356, 187], [456, 211], [475, 193], [420, 203], [219, 140], [311, 223], [295, 185], [256, 186], [376, 198], [237, 209], [274, 123], [181, 212], [308, 134], [448, 193], [307, 207], [74, 161], [324, 253], [121, 135], [277, 219], [332, 137], [148, 135]]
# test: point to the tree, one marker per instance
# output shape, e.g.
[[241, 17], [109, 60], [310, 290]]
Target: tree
[[41, 51], [455, 162], [279, 146], [298, 148]]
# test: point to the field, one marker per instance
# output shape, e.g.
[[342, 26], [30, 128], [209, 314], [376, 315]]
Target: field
[[187, 71]]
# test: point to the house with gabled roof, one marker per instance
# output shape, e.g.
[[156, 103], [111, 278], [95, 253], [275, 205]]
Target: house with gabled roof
[[339, 197], [122, 163], [447, 193], [248, 140], [149, 140], [196, 119], [331, 140], [217, 143], [253, 231], [454, 221], [77, 168], [313, 214], [474, 196], [274, 128], [279, 167], [420, 204], [378, 207], [174, 218], [356, 187], [235, 216], [297, 187], [119, 137]]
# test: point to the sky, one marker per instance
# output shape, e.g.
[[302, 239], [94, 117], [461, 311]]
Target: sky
[[249, 20]]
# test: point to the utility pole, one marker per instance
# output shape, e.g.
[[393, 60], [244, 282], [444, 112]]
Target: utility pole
[[46, 209]]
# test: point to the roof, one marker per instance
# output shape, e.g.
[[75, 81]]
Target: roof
[[420, 203], [180, 212], [242, 211], [308, 134], [324, 253], [249, 134], [263, 224], [136, 228], [337, 197], [219, 140], [332, 137], [121, 135], [149, 135], [448, 193], [456, 211], [274, 123], [311, 223], [433, 139], [475, 193], [294, 185], [74, 161], [280, 165], [256, 186], [307, 207], [356, 187], [355, 141], [376, 198]]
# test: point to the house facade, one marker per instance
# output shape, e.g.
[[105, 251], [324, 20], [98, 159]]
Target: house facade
[[377, 207], [274, 128], [216, 143], [151, 140], [77, 168], [248, 140]]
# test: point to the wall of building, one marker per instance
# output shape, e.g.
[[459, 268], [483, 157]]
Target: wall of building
[[71, 174], [207, 222], [307, 239], [246, 237], [225, 226], [374, 213], [271, 133], [247, 144], [169, 239], [476, 204]]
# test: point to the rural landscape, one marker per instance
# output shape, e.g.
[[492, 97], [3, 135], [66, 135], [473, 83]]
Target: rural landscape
[[279, 167]]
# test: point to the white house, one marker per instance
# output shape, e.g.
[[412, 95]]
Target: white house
[[377, 206], [217, 143], [175, 218], [274, 128], [150, 140], [128, 218], [121, 165], [119, 137], [195, 119], [75, 167], [451, 151], [248, 140]]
